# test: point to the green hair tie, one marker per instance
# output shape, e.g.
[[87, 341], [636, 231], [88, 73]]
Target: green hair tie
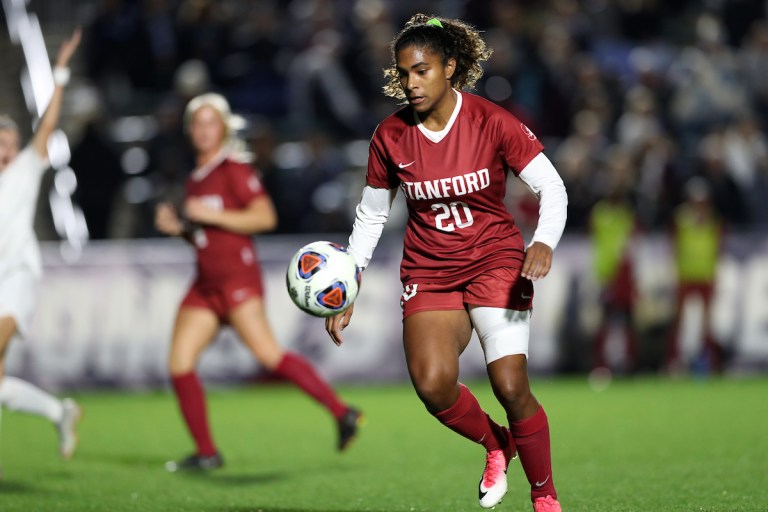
[[435, 23]]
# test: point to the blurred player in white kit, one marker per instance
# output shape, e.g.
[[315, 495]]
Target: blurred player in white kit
[[20, 263]]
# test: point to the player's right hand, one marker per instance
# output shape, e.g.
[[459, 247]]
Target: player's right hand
[[538, 261], [335, 324], [167, 221]]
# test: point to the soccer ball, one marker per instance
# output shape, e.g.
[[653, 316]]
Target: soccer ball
[[322, 279]]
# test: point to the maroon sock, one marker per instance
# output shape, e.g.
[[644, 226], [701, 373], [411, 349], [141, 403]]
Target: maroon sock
[[467, 418], [191, 398], [299, 371], [532, 438]]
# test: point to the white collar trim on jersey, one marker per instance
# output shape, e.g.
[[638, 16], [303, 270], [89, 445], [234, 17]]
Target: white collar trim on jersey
[[438, 136], [201, 172]]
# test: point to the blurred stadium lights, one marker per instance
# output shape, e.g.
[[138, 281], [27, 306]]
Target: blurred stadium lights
[[37, 85], [356, 152], [129, 129], [134, 160], [292, 155], [138, 190], [329, 197], [498, 88]]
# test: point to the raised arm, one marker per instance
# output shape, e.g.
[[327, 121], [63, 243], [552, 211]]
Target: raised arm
[[60, 78]]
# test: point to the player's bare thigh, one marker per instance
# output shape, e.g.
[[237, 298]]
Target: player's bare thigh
[[194, 330], [433, 342], [250, 321]]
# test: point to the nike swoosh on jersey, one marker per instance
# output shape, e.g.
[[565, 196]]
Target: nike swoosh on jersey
[[240, 294], [403, 166]]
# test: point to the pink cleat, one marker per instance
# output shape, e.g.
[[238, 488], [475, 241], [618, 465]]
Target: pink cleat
[[547, 504], [493, 484]]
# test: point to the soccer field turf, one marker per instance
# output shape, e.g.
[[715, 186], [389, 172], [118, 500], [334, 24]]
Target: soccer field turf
[[640, 445]]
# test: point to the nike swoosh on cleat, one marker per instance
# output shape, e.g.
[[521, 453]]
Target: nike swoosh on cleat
[[539, 484], [480, 492], [403, 166], [524, 296]]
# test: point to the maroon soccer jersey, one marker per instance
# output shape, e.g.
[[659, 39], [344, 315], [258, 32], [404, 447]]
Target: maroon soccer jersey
[[224, 185], [454, 184]]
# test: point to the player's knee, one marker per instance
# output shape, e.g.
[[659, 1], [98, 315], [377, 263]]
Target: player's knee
[[178, 364], [267, 352], [512, 392], [436, 389]]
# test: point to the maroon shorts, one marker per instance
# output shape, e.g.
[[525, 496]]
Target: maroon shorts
[[223, 297], [496, 288]]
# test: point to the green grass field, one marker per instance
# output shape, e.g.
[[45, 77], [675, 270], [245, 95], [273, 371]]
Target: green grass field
[[641, 445]]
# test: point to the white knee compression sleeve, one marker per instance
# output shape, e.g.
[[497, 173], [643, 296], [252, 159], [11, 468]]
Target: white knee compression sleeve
[[502, 332]]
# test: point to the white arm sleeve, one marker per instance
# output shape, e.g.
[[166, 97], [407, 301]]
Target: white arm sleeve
[[542, 178], [370, 216]]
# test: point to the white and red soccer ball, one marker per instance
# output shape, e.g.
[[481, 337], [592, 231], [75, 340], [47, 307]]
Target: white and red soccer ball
[[323, 279]]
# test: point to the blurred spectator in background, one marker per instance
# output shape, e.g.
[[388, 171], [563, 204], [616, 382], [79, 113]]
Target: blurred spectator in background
[[202, 31], [320, 92], [658, 183], [638, 126], [612, 224], [697, 240], [577, 158], [159, 19], [753, 57], [758, 205], [253, 70], [726, 195], [118, 51], [303, 176], [372, 32], [170, 157], [96, 164], [708, 88], [745, 150], [261, 139]]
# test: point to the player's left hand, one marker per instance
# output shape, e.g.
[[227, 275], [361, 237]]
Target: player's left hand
[[336, 323], [538, 260], [68, 48], [197, 211]]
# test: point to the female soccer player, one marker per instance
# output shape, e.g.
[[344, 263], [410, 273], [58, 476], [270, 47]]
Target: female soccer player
[[464, 263], [225, 204], [20, 266]]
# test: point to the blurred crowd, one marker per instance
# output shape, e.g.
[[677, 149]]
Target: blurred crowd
[[632, 98]]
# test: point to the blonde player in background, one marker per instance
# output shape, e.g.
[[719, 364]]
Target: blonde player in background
[[225, 206], [20, 265]]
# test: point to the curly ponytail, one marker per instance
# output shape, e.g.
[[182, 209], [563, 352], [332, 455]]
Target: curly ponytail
[[448, 38]]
